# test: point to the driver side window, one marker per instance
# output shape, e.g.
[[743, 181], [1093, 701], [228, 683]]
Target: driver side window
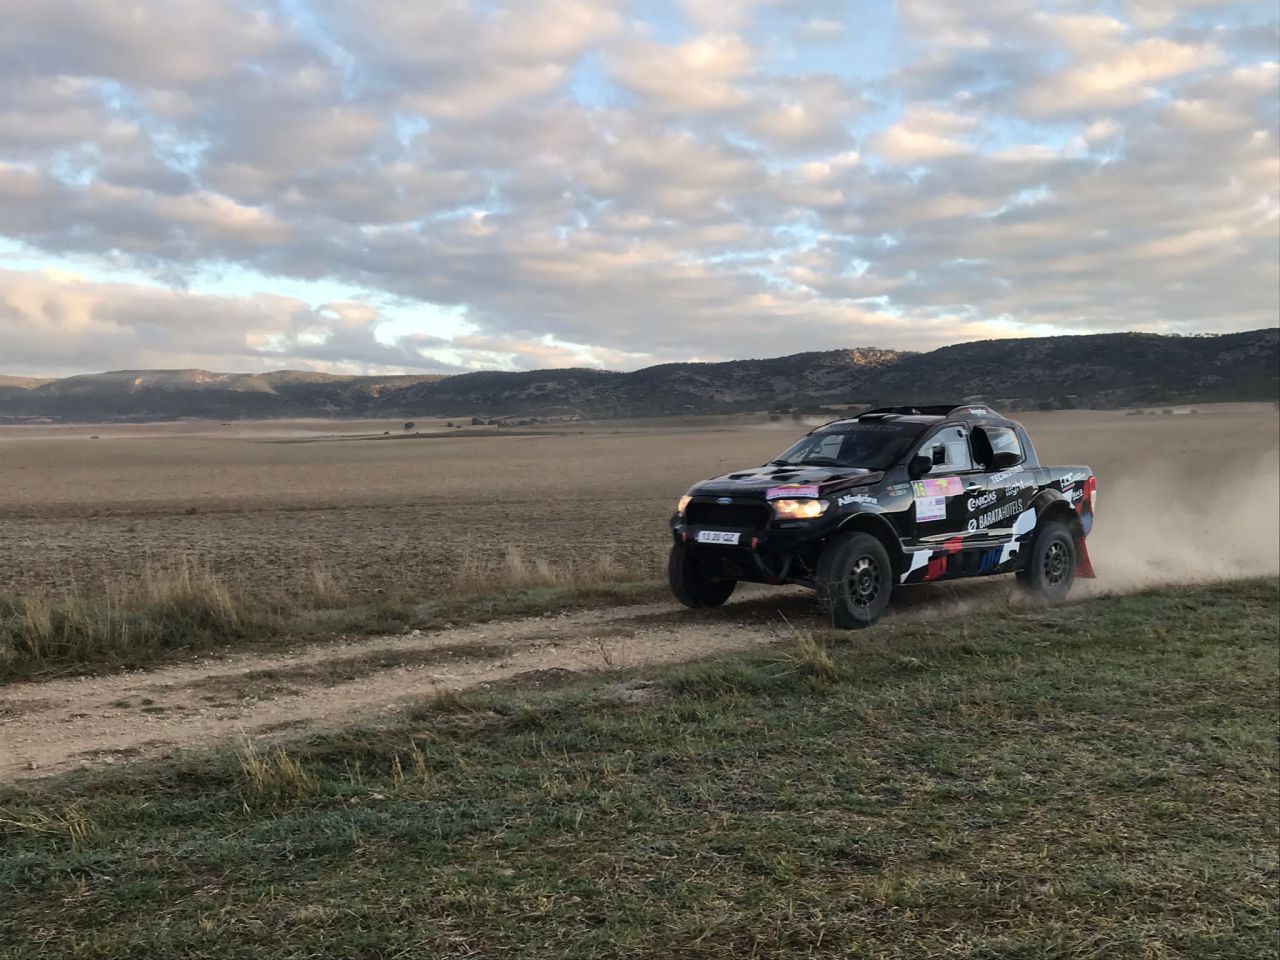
[[948, 451], [828, 446]]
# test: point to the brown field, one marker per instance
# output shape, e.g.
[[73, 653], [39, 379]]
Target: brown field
[[1182, 496]]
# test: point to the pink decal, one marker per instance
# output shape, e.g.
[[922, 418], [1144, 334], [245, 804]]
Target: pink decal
[[792, 490], [938, 487]]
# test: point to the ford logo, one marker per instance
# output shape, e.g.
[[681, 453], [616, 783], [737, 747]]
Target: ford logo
[[724, 499]]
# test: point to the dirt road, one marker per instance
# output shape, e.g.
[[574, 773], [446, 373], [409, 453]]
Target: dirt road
[[54, 725]]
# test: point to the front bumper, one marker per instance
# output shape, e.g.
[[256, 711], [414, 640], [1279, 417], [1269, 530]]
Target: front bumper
[[771, 553]]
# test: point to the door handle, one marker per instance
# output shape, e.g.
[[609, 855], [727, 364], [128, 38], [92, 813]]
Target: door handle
[[972, 487]]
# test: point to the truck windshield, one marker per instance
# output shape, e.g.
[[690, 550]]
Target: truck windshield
[[872, 446]]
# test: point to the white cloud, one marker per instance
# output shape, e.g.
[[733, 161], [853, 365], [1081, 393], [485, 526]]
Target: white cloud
[[923, 134], [1151, 14], [822, 30], [51, 321], [576, 183], [701, 74], [1120, 77]]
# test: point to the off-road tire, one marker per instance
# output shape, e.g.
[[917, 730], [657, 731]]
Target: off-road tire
[[1051, 569], [855, 579], [691, 585]]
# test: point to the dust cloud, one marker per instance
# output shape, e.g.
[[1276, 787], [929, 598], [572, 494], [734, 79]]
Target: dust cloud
[[1182, 521]]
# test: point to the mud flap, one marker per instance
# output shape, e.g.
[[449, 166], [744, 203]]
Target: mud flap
[[1084, 566]]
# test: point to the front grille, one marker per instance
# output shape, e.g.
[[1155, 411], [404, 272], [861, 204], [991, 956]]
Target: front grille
[[741, 516]]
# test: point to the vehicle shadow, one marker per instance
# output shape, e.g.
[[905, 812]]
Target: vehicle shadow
[[757, 606]]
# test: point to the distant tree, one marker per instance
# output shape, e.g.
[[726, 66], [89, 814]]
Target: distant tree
[[409, 425], [450, 424]]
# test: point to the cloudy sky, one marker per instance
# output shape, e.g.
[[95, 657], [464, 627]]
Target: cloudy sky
[[392, 186]]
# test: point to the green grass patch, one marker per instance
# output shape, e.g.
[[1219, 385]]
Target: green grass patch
[[1092, 780]]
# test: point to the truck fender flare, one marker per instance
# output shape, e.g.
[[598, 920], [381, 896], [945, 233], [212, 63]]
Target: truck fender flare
[[869, 521], [1052, 505]]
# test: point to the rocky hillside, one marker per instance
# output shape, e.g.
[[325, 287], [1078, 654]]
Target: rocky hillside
[[1099, 370], [181, 394]]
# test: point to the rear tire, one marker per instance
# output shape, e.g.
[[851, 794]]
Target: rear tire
[[1051, 570], [855, 579], [691, 585]]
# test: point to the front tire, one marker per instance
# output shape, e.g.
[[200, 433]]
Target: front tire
[[1051, 570], [691, 585], [855, 579]]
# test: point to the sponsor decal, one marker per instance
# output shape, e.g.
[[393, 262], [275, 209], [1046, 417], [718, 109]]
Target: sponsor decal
[[937, 567], [1004, 512], [849, 498], [919, 558], [898, 489], [982, 500], [792, 490], [1074, 476], [930, 508], [724, 500], [1004, 475], [937, 487], [1025, 523], [990, 560]]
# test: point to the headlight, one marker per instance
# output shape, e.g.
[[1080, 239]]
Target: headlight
[[799, 509], [684, 502]]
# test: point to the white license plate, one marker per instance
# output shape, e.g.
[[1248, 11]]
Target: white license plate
[[717, 536]]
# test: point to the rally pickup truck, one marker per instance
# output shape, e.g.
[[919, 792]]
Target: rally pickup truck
[[893, 496]]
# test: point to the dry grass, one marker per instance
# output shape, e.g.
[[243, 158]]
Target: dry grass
[[323, 587], [814, 658], [811, 656], [273, 775], [166, 607], [72, 823], [185, 605], [186, 589]]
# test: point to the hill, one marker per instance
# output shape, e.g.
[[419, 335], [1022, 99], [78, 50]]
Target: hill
[[1095, 370]]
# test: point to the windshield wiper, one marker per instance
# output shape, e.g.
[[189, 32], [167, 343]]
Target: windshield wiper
[[778, 463], [820, 462]]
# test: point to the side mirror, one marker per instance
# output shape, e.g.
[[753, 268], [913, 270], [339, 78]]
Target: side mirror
[[1005, 459], [918, 466]]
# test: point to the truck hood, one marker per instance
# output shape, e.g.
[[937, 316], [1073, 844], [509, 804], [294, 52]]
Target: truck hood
[[757, 481]]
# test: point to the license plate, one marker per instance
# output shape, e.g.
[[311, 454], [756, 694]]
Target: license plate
[[717, 536]]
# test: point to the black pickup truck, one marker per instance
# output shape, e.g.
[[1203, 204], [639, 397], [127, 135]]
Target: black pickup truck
[[893, 496]]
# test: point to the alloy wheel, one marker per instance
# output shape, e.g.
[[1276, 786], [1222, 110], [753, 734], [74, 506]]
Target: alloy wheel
[[864, 582]]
